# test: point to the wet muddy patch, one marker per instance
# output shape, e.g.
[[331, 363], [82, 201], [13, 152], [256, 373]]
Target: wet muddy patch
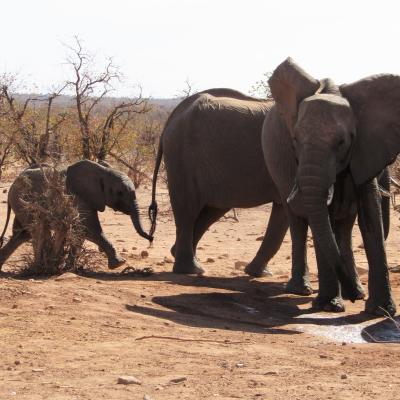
[[342, 330]]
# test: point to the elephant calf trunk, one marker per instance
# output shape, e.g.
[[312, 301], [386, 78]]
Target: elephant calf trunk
[[137, 224]]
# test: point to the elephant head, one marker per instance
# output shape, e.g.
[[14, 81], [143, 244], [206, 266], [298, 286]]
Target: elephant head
[[322, 126], [101, 186]]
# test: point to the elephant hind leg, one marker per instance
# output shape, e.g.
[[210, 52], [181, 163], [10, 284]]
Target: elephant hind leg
[[208, 215], [18, 237], [206, 218], [273, 238]]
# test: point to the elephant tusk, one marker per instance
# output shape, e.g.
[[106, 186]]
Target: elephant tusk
[[331, 191], [293, 193], [394, 182], [383, 192]]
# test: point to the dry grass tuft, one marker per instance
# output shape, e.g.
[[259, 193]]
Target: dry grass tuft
[[55, 226]]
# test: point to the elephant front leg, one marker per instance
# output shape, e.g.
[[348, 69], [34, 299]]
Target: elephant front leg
[[96, 235], [299, 283], [343, 233], [272, 241], [380, 300]]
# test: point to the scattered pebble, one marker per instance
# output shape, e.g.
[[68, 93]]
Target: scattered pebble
[[178, 380], [4, 190], [210, 260], [134, 248], [260, 238], [77, 299], [240, 264], [168, 260], [17, 362], [128, 380], [37, 369], [124, 249], [239, 365], [144, 254], [323, 356], [343, 376], [147, 397], [271, 373]]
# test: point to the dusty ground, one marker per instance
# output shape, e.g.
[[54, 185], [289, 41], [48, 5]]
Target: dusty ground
[[226, 336]]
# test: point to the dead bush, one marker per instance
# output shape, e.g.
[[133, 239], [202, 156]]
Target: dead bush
[[57, 234]]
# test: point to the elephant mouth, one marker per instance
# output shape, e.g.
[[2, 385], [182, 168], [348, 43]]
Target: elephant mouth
[[295, 191]]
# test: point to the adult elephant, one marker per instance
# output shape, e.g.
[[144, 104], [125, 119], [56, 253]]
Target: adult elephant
[[212, 152], [94, 187], [325, 135]]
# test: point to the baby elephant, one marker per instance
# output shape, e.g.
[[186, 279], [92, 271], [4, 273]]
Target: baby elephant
[[94, 186]]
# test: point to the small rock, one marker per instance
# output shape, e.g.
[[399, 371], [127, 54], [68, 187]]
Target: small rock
[[17, 362], [167, 260], [143, 296], [323, 356], [239, 365], [260, 238], [134, 248], [4, 190], [144, 254], [65, 276], [210, 260], [271, 373], [77, 299], [161, 263], [343, 376], [128, 380], [238, 239], [124, 249], [37, 369], [178, 380], [240, 264], [147, 397], [344, 343]]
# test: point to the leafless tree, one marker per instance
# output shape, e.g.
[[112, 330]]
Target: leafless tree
[[101, 128], [29, 124]]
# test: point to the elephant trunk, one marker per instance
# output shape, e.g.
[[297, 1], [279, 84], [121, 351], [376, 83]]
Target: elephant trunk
[[137, 224], [315, 196]]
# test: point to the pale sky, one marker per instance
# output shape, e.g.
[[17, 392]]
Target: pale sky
[[215, 43]]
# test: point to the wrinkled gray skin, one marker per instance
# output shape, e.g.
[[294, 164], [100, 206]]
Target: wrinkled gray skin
[[312, 140], [212, 152], [94, 186]]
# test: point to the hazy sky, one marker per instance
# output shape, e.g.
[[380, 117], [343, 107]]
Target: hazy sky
[[214, 43]]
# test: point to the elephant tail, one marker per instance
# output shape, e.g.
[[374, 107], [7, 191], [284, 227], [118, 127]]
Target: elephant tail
[[153, 209], [5, 227]]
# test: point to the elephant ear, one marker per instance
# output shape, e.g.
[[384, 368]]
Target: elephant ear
[[85, 180], [376, 104], [289, 85]]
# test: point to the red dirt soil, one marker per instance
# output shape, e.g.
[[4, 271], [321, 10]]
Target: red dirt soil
[[229, 336]]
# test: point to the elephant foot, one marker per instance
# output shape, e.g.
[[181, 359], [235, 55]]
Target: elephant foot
[[300, 286], [377, 307], [257, 270], [360, 294], [116, 262], [333, 305], [188, 267]]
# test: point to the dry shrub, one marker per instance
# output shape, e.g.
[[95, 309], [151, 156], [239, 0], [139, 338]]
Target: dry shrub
[[57, 234]]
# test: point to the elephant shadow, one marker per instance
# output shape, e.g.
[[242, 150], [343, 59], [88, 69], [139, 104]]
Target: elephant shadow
[[244, 304]]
